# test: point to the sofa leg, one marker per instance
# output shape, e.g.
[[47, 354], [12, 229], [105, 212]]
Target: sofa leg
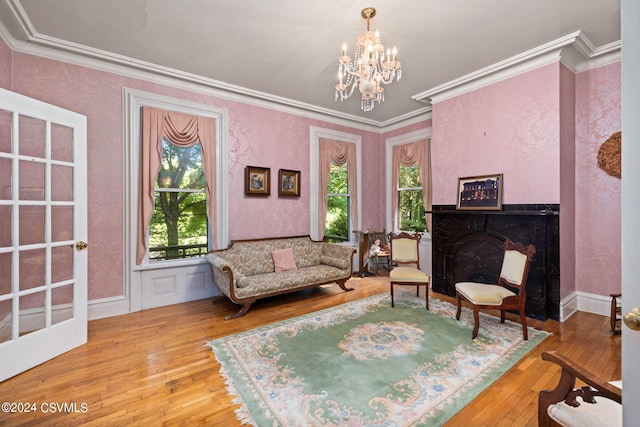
[[243, 310], [342, 284]]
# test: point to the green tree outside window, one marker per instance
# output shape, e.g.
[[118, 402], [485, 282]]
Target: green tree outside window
[[410, 201], [178, 227], [337, 220]]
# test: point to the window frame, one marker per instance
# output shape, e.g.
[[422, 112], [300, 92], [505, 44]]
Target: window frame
[[398, 190], [315, 134], [347, 195], [407, 138], [177, 190], [134, 101]]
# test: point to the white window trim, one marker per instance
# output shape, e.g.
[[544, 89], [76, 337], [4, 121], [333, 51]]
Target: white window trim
[[407, 138], [133, 101], [315, 134]]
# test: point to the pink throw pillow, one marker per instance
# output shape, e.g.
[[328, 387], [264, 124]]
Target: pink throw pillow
[[283, 260]]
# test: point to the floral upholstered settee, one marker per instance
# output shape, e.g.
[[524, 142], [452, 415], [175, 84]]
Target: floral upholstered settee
[[252, 269]]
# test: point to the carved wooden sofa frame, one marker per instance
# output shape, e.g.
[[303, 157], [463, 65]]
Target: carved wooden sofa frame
[[245, 271]]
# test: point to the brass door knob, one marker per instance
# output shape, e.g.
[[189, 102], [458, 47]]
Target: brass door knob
[[632, 319], [81, 245]]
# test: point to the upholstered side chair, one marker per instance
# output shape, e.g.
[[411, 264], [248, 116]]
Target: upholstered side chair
[[598, 403], [509, 293], [405, 255]]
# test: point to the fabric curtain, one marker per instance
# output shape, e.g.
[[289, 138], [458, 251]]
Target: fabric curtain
[[409, 155], [337, 153], [182, 130]]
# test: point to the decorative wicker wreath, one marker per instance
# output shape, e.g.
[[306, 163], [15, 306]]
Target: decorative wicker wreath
[[609, 155]]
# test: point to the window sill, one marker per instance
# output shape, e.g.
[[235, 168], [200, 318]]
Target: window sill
[[170, 264]]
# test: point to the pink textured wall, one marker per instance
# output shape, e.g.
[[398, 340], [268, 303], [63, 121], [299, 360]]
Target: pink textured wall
[[509, 127], [513, 127], [567, 181], [5, 65], [257, 137], [598, 195]]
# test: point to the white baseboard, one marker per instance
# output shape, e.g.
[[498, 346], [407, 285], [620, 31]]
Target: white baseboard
[[583, 301], [108, 307]]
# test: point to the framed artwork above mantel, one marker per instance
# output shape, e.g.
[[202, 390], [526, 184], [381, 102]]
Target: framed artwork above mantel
[[480, 193]]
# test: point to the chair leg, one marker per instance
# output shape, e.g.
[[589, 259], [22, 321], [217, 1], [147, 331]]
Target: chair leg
[[391, 294], [525, 330], [459, 299], [502, 317], [426, 296], [476, 321]]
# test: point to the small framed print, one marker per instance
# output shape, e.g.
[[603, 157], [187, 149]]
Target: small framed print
[[257, 181], [480, 193], [288, 183]]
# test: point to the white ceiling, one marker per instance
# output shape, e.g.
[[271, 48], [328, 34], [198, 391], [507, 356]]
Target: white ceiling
[[287, 50]]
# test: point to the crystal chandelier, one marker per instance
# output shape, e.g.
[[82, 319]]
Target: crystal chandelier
[[371, 68]]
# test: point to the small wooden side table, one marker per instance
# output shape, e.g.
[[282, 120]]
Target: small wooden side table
[[616, 314]]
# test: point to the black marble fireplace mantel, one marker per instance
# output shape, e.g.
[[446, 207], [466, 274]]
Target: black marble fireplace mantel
[[467, 246]]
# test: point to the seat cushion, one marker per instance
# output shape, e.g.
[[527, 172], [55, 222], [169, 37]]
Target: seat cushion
[[408, 274], [605, 412], [482, 294]]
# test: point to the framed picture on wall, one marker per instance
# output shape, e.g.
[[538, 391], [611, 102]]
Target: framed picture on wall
[[480, 193], [257, 181], [288, 183]]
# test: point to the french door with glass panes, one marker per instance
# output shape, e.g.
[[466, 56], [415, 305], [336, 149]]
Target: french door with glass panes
[[43, 232]]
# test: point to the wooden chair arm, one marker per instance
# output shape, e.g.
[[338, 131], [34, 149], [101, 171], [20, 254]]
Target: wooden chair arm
[[565, 389]]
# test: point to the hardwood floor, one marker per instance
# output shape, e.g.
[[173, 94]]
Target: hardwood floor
[[152, 367]]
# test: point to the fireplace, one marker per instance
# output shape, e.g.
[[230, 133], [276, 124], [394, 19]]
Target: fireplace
[[467, 246]]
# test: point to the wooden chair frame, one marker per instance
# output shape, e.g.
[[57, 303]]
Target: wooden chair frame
[[393, 262], [516, 302], [566, 389]]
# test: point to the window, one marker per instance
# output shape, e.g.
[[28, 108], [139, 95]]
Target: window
[[178, 227], [338, 201], [330, 147], [408, 178], [410, 203]]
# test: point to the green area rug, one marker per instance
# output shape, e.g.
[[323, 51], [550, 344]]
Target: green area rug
[[364, 363]]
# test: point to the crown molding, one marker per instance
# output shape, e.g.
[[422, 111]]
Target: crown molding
[[574, 50], [52, 48]]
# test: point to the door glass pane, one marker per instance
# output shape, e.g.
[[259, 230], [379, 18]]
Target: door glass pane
[[5, 179], [61, 304], [31, 269], [32, 224], [61, 143], [5, 131], [5, 226], [5, 273], [61, 223], [31, 309], [32, 134], [61, 264], [31, 180], [5, 320], [61, 183]]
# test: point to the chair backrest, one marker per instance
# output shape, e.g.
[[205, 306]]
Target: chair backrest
[[404, 248], [515, 265]]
